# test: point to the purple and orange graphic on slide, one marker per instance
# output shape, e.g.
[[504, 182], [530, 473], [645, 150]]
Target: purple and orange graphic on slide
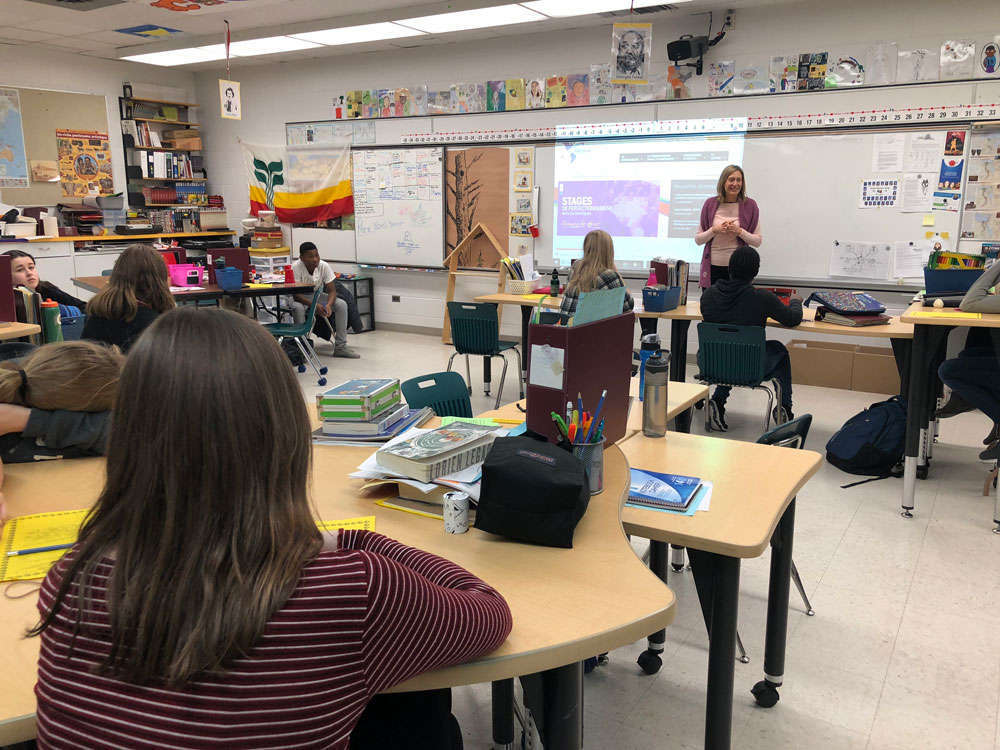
[[622, 208]]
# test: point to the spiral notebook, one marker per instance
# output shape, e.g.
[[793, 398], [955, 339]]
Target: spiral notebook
[[651, 489]]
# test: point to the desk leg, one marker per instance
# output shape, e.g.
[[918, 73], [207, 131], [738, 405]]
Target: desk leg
[[487, 374], [526, 311], [678, 366], [503, 714], [563, 696], [901, 351], [915, 398], [765, 692], [650, 660], [717, 578]]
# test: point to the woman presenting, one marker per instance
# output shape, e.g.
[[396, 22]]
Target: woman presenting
[[728, 220]]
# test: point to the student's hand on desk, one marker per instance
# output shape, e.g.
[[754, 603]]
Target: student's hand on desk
[[13, 418]]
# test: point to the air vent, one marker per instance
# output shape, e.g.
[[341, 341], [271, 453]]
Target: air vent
[[79, 4], [638, 11]]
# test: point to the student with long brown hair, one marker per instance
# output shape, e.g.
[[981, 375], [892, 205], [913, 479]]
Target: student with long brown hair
[[201, 605], [136, 293], [595, 270]]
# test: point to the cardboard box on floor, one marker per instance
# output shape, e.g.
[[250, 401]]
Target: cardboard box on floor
[[848, 366]]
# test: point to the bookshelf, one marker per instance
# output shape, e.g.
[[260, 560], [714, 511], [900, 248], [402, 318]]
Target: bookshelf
[[163, 166]]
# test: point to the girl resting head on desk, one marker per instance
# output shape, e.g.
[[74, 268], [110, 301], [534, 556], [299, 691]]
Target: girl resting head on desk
[[204, 553], [55, 400], [137, 292], [595, 270], [24, 272]]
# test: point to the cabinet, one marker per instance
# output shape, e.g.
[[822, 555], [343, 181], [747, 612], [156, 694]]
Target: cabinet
[[363, 289], [93, 264]]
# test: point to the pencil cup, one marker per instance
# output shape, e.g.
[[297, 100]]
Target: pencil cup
[[592, 455]]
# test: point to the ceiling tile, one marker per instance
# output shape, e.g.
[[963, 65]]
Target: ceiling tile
[[27, 35], [77, 43]]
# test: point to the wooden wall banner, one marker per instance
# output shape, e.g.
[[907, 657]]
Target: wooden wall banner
[[477, 191]]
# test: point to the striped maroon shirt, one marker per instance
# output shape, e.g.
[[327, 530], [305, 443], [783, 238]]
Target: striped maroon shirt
[[361, 619]]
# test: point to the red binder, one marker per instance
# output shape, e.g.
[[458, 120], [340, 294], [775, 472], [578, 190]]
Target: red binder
[[595, 356]]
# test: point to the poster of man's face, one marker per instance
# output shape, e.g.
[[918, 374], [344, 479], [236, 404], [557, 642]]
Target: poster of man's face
[[630, 48]]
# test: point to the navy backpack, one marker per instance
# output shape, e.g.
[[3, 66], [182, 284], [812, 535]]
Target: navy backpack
[[871, 443]]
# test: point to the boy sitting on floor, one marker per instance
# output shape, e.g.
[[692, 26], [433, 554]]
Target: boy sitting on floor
[[735, 301]]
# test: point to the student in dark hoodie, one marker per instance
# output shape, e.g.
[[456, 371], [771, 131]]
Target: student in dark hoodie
[[736, 301]]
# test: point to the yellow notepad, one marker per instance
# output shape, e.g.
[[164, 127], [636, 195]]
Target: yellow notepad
[[364, 523], [945, 314], [534, 297], [38, 530]]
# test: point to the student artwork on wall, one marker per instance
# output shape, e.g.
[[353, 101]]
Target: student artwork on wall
[[515, 93], [812, 70], [523, 157], [631, 52], [720, 78], [845, 71], [353, 103], [386, 102], [403, 103], [555, 92], [519, 223], [477, 190], [496, 96], [230, 107], [752, 79], [958, 59], [438, 102], [418, 96], [600, 84], [988, 59], [84, 163], [882, 61], [523, 180], [535, 93], [578, 89], [783, 73], [917, 65], [369, 103]]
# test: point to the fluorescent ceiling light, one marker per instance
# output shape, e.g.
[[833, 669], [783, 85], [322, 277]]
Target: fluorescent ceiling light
[[479, 18], [564, 8], [269, 45], [185, 56], [369, 32]]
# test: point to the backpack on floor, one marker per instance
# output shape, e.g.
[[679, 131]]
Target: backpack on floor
[[871, 443], [293, 352]]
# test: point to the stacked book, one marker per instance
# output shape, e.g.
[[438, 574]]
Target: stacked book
[[364, 410]]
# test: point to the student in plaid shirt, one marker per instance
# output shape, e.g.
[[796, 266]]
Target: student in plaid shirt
[[595, 270]]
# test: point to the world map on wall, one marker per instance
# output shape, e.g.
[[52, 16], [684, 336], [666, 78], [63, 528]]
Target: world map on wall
[[13, 159]]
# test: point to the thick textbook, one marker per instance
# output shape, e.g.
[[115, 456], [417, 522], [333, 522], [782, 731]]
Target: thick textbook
[[436, 453]]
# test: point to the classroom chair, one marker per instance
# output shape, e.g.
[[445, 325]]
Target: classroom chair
[[734, 355], [444, 392], [475, 329], [300, 335]]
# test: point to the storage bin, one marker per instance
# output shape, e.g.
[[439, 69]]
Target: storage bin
[[660, 299], [955, 281], [229, 279], [518, 286], [179, 274]]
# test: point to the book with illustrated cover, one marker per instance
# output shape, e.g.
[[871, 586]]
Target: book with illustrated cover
[[435, 453], [652, 489]]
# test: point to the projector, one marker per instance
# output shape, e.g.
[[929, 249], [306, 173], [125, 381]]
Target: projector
[[687, 48]]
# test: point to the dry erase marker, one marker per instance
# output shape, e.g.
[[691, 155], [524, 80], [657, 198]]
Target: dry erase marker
[[32, 550]]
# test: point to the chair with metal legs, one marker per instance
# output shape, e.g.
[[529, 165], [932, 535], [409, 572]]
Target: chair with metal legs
[[475, 329]]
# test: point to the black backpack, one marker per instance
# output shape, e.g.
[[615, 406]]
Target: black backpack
[[871, 443]]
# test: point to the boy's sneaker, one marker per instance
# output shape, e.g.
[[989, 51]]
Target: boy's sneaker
[[992, 453], [994, 434], [716, 416], [346, 352], [782, 414]]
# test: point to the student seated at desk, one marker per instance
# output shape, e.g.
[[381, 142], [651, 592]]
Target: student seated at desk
[[25, 273], [974, 375], [595, 270], [309, 269], [734, 300], [137, 292], [55, 401], [202, 607]]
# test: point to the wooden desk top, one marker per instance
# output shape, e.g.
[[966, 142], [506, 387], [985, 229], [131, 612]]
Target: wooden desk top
[[567, 604], [121, 237], [97, 283], [503, 298], [753, 484], [16, 330], [986, 321], [895, 329]]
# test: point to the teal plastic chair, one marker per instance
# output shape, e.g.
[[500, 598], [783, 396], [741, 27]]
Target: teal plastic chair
[[300, 335], [444, 392], [475, 329], [734, 356]]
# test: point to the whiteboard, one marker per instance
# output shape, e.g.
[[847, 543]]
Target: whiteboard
[[399, 206]]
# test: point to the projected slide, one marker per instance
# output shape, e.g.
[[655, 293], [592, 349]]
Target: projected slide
[[646, 193]]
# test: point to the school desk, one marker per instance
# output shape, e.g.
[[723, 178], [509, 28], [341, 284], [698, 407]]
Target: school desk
[[16, 330], [930, 328], [752, 503], [568, 604], [207, 291]]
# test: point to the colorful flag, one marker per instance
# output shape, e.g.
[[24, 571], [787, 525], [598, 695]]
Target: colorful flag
[[300, 183]]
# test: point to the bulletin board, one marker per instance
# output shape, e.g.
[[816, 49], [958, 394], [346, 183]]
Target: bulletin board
[[42, 113]]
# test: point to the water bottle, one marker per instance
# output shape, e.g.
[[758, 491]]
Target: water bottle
[[648, 346], [654, 395], [554, 283], [51, 322]]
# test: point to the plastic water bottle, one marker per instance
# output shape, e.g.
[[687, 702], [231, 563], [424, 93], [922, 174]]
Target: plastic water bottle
[[649, 345], [51, 322], [654, 395], [554, 283]]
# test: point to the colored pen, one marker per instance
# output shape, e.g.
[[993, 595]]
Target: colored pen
[[572, 433], [32, 550], [579, 404], [600, 405], [559, 423], [600, 431], [569, 412]]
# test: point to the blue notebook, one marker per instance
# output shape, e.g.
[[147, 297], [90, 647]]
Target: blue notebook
[[651, 489]]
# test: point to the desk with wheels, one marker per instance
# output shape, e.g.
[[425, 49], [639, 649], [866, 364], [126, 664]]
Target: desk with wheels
[[593, 598], [752, 506], [929, 337]]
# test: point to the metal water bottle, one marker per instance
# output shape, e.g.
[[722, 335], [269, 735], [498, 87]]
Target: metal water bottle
[[649, 345], [654, 395], [554, 283]]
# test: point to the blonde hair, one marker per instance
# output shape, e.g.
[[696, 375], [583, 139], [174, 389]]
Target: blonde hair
[[720, 188], [139, 277], [71, 375], [598, 257]]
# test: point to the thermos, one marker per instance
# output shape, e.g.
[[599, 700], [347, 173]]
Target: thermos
[[649, 345], [654, 395], [554, 283], [51, 322]]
